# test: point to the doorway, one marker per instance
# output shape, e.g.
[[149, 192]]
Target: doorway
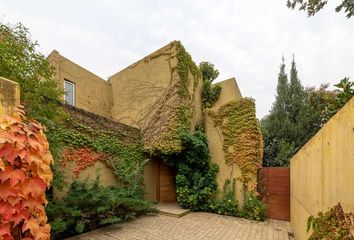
[[166, 184]]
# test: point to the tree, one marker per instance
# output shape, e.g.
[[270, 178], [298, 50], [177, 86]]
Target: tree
[[345, 91], [286, 127], [323, 105], [210, 92], [275, 125], [297, 114], [314, 6], [21, 62], [209, 72]]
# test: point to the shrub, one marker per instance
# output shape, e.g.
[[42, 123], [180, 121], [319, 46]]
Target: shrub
[[24, 176], [195, 179], [89, 205], [227, 205], [253, 208]]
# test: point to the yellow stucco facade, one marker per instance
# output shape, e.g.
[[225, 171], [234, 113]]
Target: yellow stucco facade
[[9, 96], [322, 171], [144, 96], [92, 93]]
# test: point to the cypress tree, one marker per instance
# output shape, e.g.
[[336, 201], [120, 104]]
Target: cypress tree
[[277, 147], [299, 110]]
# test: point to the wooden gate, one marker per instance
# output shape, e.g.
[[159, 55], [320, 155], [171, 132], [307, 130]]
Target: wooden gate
[[276, 192]]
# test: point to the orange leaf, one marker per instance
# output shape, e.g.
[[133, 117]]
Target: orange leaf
[[2, 165], [35, 186], [43, 233], [32, 225], [5, 232], [45, 173], [6, 190], [8, 152], [32, 203], [15, 175], [20, 216], [6, 211]]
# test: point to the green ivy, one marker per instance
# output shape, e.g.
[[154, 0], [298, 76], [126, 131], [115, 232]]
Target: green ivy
[[170, 142], [127, 160], [210, 94], [242, 138]]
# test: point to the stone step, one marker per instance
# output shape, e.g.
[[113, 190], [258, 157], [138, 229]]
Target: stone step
[[172, 210]]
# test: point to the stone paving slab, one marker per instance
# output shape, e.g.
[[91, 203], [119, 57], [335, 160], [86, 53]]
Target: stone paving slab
[[196, 225]]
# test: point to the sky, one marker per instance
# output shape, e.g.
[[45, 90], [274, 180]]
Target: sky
[[242, 38]]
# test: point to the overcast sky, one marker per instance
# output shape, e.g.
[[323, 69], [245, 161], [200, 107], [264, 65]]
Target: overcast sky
[[245, 39]]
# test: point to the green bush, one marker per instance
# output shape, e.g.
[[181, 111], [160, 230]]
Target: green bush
[[89, 205], [196, 184], [195, 179], [253, 208], [228, 205]]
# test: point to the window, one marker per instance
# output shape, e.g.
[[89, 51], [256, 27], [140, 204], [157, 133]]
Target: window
[[69, 88]]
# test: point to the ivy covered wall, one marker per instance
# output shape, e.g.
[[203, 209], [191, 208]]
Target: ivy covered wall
[[235, 140], [161, 95], [90, 145]]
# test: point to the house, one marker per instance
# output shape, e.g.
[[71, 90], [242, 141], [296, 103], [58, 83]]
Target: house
[[151, 94]]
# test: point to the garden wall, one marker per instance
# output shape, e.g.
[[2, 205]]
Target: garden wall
[[9, 96], [130, 135], [322, 172], [229, 92]]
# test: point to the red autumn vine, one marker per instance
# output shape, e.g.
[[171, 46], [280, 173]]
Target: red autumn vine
[[24, 176], [83, 157]]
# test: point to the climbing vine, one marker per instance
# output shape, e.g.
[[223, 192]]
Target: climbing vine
[[177, 102], [83, 157], [242, 139], [333, 224], [25, 174], [86, 145]]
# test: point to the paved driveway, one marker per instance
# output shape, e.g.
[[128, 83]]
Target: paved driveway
[[196, 225]]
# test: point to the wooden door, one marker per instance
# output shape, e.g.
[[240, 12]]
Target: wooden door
[[276, 193], [166, 187]]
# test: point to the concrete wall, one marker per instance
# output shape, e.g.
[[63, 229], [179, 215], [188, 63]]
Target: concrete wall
[[92, 93], [229, 92], [9, 96], [322, 172]]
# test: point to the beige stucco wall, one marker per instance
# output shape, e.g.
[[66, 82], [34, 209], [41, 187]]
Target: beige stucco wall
[[229, 92], [137, 88], [322, 172], [92, 93], [9, 96], [145, 94]]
